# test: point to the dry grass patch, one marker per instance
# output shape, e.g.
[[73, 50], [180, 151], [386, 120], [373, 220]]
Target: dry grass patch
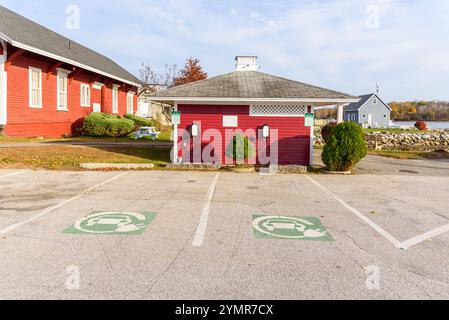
[[69, 157]]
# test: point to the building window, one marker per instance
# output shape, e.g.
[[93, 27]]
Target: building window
[[61, 89], [115, 99], [353, 117], [130, 103], [375, 100], [230, 121], [85, 95], [35, 87]]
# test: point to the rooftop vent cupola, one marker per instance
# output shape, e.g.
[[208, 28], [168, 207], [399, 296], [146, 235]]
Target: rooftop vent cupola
[[246, 63]]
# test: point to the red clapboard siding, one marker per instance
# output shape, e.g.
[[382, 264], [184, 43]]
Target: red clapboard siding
[[294, 137], [24, 121]]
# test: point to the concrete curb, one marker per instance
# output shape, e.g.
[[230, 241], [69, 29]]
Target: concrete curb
[[124, 166]]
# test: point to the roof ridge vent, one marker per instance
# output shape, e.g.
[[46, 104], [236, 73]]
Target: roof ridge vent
[[246, 63]]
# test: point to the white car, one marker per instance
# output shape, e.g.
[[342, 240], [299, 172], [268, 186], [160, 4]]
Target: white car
[[143, 132]]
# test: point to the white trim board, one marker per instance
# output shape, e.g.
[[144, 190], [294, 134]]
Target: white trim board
[[247, 101]]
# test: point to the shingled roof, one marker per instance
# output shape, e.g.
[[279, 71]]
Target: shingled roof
[[355, 106], [26, 34], [250, 85]]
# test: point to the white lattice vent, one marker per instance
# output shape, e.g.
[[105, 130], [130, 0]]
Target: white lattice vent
[[270, 110]]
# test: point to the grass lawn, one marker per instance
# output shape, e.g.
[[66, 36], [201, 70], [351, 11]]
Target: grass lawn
[[410, 154], [70, 157], [392, 130]]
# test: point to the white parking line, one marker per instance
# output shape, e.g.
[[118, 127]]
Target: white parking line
[[202, 225], [59, 205], [368, 221], [423, 237], [12, 174]]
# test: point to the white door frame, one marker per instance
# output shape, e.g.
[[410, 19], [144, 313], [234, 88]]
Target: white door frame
[[3, 87], [370, 120]]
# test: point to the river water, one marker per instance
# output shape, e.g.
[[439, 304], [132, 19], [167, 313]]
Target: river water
[[430, 124]]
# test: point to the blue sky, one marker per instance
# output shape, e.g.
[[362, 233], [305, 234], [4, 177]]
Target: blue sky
[[343, 45]]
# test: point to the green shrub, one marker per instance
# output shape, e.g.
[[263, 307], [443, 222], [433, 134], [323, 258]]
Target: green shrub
[[326, 131], [240, 149], [104, 125], [139, 121], [346, 147]]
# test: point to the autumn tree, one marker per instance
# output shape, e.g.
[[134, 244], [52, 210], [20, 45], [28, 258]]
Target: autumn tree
[[192, 72]]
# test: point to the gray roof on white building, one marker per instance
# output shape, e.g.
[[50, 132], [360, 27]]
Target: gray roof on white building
[[250, 85], [26, 34], [355, 106]]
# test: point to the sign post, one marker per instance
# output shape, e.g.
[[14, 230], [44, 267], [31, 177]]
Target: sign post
[[309, 120], [176, 118]]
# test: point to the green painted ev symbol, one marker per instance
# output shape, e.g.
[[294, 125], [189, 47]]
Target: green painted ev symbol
[[292, 228], [113, 223]]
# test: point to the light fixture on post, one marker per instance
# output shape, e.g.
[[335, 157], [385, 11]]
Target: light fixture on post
[[266, 131], [195, 130]]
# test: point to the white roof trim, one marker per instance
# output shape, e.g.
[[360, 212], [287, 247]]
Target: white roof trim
[[69, 61], [248, 100]]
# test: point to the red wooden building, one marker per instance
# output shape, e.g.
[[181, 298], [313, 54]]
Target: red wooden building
[[49, 83], [265, 108]]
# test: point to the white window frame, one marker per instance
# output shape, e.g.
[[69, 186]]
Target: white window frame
[[83, 101], [130, 107], [62, 74], [115, 98], [30, 87]]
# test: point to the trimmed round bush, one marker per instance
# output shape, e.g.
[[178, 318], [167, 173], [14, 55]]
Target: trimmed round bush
[[105, 125], [240, 148], [346, 147], [139, 121], [421, 125], [326, 131]]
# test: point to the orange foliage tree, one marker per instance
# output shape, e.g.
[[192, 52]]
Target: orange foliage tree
[[192, 72]]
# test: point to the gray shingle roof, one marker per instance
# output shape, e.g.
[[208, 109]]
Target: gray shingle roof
[[250, 84], [19, 30], [357, 105]]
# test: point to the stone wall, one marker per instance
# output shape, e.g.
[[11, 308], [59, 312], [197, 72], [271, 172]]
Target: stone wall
[[419, 141]]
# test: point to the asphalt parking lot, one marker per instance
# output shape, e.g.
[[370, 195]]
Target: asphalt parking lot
[[184, 235]]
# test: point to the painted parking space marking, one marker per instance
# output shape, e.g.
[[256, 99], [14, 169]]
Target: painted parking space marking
[[292, 228], [423, 237], [202, 225], [368, 221], [12, 174], [59, 205], [113, 223]]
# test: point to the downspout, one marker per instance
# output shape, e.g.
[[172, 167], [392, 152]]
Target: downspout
[[3, 87]]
